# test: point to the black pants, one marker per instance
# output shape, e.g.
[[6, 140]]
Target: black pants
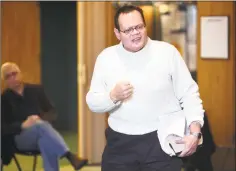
[[136, 153]]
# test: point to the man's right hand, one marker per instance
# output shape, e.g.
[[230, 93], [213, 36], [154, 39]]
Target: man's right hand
[[121, 91], [30, 121]]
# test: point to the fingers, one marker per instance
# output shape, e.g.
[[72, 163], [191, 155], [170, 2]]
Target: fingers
[[191, 150], [33, 119], [187, 152], [182, 154], [122, 91], [127, 93], [190, 146], [126, 87], [33, 116]]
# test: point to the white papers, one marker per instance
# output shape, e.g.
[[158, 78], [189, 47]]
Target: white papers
[[171, 128], [214, 37], [177, 148]]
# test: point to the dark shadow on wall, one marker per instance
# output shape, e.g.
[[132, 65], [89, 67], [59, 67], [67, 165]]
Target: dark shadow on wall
[[59, 60]]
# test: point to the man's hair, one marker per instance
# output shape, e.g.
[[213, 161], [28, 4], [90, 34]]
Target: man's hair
[[8, 65], [125, 10]]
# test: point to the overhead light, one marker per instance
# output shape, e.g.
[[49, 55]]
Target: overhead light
[[163, 8]]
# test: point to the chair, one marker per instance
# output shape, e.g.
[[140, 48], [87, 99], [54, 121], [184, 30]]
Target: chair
[[26, 153]]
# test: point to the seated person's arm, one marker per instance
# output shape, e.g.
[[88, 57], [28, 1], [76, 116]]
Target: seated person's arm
[[48, 111], [7, 126]]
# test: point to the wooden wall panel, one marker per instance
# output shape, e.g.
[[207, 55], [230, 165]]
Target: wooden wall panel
[[217, 78], [20, 37], [110, 25], [95, 32], [148, 12]]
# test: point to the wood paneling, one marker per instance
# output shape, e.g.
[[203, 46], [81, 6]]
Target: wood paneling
[[20, 37], [148, 12], [95, 32], [110, 25], [217, 78]]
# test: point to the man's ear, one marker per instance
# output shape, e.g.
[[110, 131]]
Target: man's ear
[[117, 33]]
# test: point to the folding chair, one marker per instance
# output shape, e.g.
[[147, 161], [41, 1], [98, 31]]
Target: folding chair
[[26, 153]]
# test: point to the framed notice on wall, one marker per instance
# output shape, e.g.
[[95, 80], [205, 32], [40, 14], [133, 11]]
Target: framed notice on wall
[[214, 36]]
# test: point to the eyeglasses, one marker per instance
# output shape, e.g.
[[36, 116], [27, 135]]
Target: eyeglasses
[[11, 74], [139, 28]]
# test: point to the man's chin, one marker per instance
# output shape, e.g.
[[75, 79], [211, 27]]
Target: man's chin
[[138, 48], [16, 85]]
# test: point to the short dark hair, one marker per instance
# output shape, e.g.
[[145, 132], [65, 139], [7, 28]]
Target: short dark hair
[[125, 10]]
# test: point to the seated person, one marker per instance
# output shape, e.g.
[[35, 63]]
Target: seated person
[[26, 116]]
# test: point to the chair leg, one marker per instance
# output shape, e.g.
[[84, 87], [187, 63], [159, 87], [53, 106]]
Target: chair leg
[[35, 163], [17, 163]]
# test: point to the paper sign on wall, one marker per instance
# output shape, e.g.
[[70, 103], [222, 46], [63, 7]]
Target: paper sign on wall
[[214, 37]]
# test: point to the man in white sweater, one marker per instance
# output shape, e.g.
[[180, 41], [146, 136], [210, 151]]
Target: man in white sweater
[[139, 82]]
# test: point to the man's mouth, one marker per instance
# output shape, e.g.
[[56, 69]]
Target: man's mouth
[[136, 40]]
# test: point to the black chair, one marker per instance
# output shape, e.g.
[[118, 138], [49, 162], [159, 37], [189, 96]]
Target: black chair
[[34, 154]]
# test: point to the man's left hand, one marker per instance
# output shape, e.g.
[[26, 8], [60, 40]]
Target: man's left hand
[[191, 144]]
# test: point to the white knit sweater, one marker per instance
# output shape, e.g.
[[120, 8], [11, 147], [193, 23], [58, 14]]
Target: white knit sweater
[[162, 85]]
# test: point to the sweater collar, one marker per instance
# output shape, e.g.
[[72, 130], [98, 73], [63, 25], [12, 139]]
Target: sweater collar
[[140, 52]]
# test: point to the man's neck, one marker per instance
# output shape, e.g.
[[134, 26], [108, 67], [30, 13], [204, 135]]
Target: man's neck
[[19, 89]]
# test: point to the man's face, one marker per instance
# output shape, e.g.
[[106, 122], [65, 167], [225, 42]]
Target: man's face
[[132, 34], [12, 77]]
